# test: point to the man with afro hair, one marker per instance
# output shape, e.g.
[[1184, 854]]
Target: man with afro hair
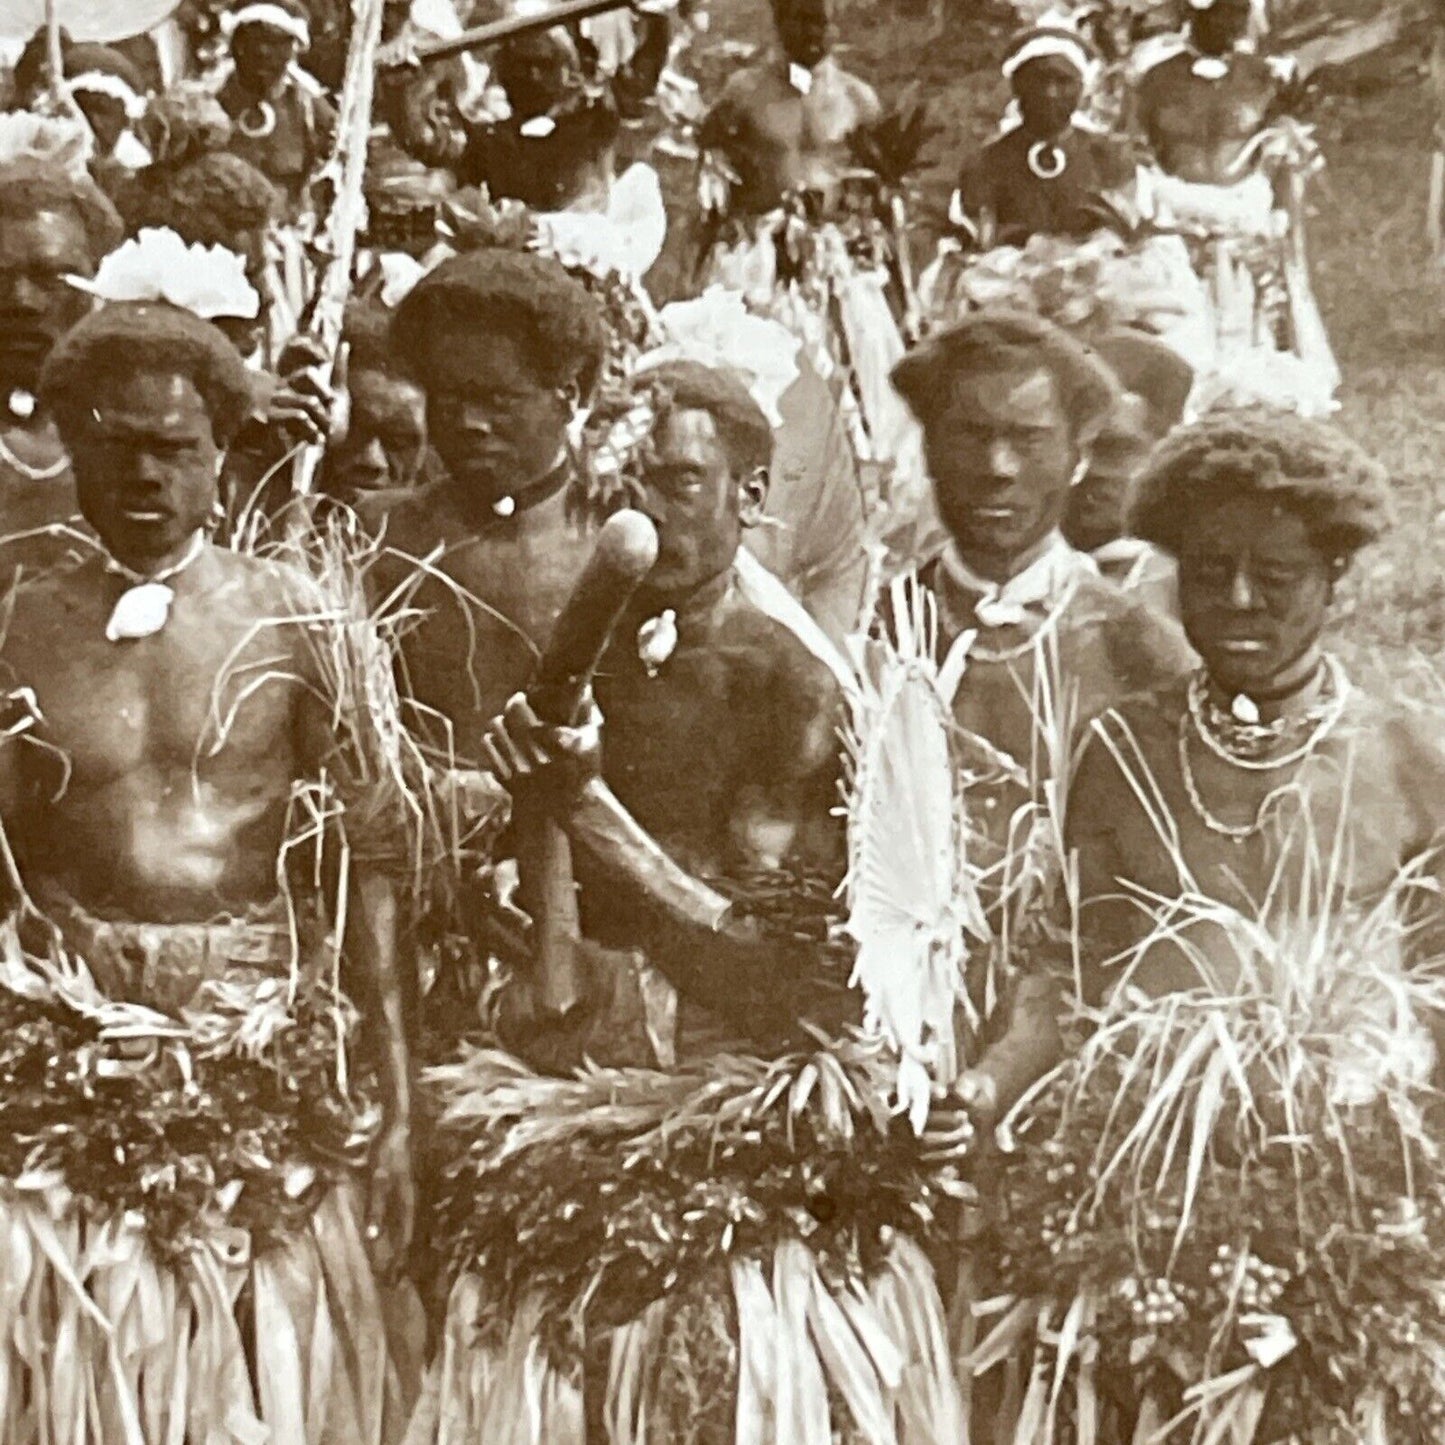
[[1010, 406], [1268, 759], [171, 697], [507, 348]]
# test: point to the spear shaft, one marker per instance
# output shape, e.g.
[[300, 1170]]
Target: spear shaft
[[508, 29]]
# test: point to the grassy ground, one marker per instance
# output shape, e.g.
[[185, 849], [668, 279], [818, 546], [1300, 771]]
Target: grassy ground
[[1383, 299]]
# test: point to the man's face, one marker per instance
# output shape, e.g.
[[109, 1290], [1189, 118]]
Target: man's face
[[262, 55], [1219, 29], [1049, 91], [1098, 506], [37, 305], [497, 425], [385, 441], [106, 117], [536, 72], [1254, 592], [805, 30], [696, 501], [145, 463], [1002, 456]]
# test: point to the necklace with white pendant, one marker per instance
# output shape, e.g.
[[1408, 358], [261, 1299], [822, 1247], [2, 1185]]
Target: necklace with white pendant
[[144, 608], [1209, 67], [1046, 160], [657, 640]]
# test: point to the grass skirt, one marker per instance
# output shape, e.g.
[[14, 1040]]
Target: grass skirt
[[732, 1251]]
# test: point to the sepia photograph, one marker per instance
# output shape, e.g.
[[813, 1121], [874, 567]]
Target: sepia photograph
[[722, 722]]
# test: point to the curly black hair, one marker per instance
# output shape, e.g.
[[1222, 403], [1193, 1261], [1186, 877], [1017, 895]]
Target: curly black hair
[[526, 297], [1309, 467], [126, 337], [29, 186], [1002, 340], [722, 394], [207, 201]]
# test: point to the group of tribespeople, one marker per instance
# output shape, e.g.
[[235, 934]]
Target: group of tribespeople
[[784, 861]]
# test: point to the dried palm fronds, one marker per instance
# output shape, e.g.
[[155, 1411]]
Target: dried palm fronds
[[912, 890], [891, 148]]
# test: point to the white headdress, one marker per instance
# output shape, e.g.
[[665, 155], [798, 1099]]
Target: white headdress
[[264, 12], [102, 82], [208, 281], [717, 329]]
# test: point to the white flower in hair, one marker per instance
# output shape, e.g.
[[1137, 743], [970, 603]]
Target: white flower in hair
[[208, 281], [717, 329]]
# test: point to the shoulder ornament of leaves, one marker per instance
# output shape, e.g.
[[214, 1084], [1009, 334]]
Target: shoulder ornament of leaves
[[912, 896], [157, 265]]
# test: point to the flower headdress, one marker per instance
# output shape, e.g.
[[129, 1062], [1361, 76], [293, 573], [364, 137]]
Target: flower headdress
[[714, 330], [208, 281]]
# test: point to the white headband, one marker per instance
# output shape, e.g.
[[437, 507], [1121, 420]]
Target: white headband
[[99, 82], [262, 13], [1068, 47]]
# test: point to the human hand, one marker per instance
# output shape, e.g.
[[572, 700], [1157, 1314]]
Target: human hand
[[519, 746], [301, 407], [391, 1201]]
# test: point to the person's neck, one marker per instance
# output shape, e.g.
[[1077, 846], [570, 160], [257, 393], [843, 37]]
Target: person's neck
[[177, 561], [1000, 570], [256, 91], [1293, 690], [494, 503], [690, 601]]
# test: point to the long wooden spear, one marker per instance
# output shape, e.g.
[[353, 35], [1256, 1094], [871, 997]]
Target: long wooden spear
[[498, 30], [344, 175]]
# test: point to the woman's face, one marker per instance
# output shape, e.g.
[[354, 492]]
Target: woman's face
[[1254, 594]]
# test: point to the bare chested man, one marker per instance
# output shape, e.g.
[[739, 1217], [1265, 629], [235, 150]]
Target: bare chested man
[[1200, 108], [783, 123], [283, 122], [1268, 759], [125, 806], [506, 346], [721, 724], [1047, 175]]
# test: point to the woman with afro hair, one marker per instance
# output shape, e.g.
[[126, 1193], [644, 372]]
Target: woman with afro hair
[[1243, 782]]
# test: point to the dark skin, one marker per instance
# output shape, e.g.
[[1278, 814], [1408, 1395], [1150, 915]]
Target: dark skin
[[106, 117], [499, 426], [37, 306], [262, 55], [777, 140], [160, 819], [385, 442], [1196, 126], [1002, 454], [728, 755], [1049, 90], [1254, 593], [1375, 780]]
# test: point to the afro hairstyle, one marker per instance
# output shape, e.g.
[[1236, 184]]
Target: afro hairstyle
[[1004, 340], [29, 186], [207, 201], [366, 330], [126, 337], [1308, 467], [723, 395], [85, 57], [528, 298]]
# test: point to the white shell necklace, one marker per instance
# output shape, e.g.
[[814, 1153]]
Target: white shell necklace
[[144, 608], [1326, 717]]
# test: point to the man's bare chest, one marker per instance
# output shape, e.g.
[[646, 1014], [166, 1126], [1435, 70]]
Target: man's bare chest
[[206, 701], [1200, 112]]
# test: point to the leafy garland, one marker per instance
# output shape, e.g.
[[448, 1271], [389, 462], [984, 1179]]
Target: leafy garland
[[243, 1141], [599, 1195], [1305, 1271]]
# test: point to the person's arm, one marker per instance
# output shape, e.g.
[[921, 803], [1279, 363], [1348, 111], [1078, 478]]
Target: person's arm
[[374, 974]]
